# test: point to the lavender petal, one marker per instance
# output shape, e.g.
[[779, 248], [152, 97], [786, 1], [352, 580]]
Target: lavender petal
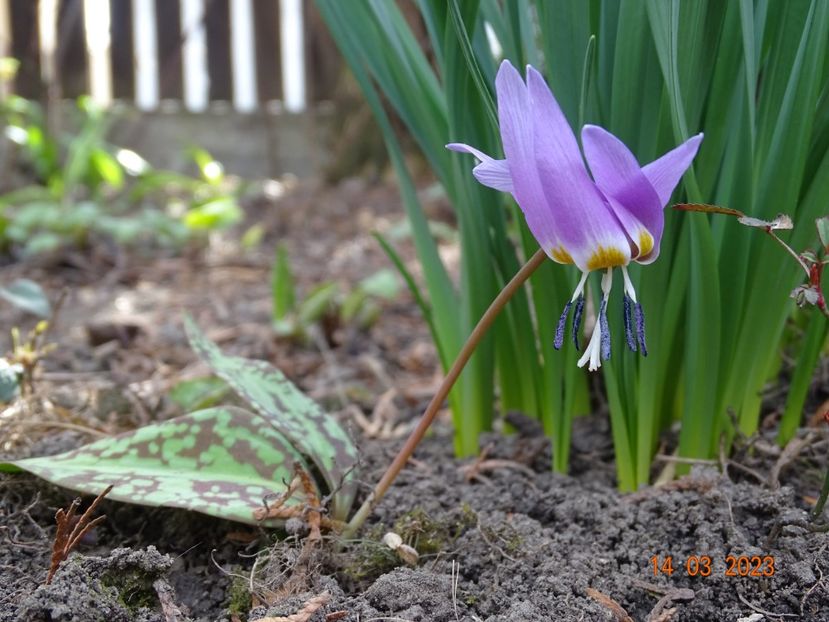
[[665, 173]]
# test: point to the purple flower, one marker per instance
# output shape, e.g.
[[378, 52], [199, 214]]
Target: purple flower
[[597, 223]]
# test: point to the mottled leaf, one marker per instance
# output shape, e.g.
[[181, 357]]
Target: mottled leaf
[[27, 295], [220, 461], [823, 231], [198, 393], [315, 433]]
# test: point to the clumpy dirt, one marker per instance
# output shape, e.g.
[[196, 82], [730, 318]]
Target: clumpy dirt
[[498, 539], [516, 543]]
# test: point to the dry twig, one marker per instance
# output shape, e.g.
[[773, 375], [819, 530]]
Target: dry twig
[[70, 530], [303, 615], [615, 608], [789, 454], [166, 597]]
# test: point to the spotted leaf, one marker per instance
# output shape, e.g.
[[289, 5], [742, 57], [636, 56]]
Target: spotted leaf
[[312, 431], [220, 461]]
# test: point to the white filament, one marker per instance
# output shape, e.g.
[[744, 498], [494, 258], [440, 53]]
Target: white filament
[[580, 287], [628, 285], [593, 351]]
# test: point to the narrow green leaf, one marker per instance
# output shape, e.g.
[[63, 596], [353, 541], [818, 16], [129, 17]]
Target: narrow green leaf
[[804, 370], [221, 462], [471, 64], [282, 284]]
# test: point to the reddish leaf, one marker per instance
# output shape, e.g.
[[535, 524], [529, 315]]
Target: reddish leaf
[[708, 209]]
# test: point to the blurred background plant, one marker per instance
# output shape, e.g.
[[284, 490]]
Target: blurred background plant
[[752, 75], [328, 305], [18, 367], [76, 184]]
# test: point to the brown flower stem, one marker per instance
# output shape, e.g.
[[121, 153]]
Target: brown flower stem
[[431, 411]]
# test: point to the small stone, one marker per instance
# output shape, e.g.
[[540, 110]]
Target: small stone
[[392, 540]]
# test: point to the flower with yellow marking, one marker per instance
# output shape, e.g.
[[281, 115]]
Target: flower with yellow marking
[[597, 220]]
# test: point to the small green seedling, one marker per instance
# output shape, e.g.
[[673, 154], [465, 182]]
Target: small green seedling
[[83, 186], [223, 461], [326, 303], [27, 353]]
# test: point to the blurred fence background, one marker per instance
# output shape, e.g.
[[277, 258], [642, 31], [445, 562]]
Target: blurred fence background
[[245, 79]]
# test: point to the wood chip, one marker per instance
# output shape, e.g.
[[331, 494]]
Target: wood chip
[[303, 615], [615, 608]]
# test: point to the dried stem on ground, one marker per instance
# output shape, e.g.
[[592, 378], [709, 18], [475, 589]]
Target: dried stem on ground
[[303, 615], [619, 613], [311, 511], [71, 529]]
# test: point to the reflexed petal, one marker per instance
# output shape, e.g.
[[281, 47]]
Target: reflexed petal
[[630, 194], [490, 172], [665, 172], [517, 135], [583, 222]]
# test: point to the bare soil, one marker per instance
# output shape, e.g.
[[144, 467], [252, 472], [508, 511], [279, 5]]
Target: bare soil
[[499, 538]]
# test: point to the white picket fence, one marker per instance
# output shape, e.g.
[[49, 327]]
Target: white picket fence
[[97, 29]]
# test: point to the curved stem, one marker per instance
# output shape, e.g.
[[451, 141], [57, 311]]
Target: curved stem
[[789, 250], [431, 411]]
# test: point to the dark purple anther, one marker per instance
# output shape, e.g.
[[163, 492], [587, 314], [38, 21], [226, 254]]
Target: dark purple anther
[[629, 337], [640, 328], [577, 320], [605, 330], [559, 340]]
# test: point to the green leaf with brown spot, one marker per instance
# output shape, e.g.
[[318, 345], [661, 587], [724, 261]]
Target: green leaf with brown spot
[[220, 461], [313, 432]]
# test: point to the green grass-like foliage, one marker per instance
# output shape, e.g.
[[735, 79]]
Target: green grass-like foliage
[[752, 75], [220, 461]]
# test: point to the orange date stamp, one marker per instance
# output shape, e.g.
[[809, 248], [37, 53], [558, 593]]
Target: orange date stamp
[[705, 566]]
